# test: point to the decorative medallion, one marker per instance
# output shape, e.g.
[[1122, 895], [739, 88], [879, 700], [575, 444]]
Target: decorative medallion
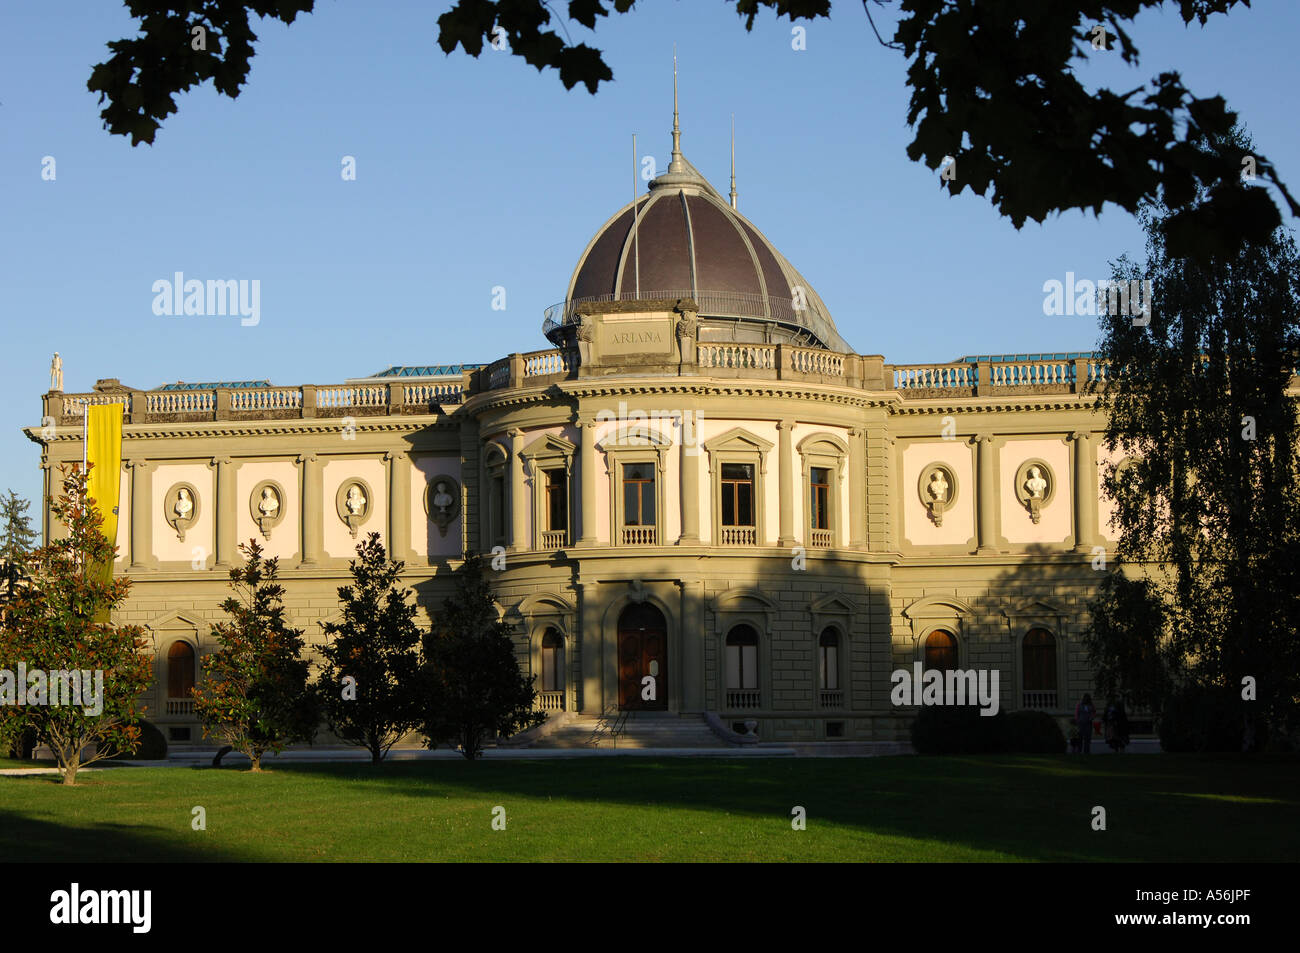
[[1035, 487], [266, 504], [937, 487], [442, 501], [181, 508], [352, 503]]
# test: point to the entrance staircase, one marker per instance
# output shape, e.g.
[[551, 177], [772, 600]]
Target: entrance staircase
[[633, 729]]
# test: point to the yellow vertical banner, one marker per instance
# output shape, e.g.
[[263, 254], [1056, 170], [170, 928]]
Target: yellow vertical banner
[[104, 452]]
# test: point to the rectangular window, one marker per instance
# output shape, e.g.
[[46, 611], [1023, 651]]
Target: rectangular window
[[742, 667], [819, 504], [737, 494], [830, 667], [557, 500], [638, 494]]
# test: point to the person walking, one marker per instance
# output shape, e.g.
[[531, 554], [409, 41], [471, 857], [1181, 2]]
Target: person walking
[[1083, 714], [1116, 722]]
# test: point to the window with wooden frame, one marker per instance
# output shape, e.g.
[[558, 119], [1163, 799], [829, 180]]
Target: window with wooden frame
[[824, 456], [549, 461], [636, 466], [495, 517], [737, 463]]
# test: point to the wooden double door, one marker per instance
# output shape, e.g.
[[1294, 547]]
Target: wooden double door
[[642, 651]]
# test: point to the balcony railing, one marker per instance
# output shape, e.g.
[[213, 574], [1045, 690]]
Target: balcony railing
[[551, 701], [831, 698], [554, 539], [739, 356], [821, 538], [739, 536], [639, 535], [741, 698], [1039, 700], [179, 706]]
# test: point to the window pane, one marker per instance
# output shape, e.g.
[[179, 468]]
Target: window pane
[[631, 504], [648, 503], [638, 471], [733, 666], [749, 666], [745, 504], [728, 504], [737, 471]]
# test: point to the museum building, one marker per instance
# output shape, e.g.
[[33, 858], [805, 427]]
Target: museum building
[[699, 481]]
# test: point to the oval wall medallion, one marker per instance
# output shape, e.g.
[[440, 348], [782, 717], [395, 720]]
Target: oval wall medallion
[[937, 487], [266, 504], [1035, 486], [181, 507], [352, 502], [442, 501]]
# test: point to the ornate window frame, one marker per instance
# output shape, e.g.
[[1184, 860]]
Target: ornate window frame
[[939, 612], [549, 452], [644, 445], [833, 611], [824, 449], [744, 607], [1021, 619], [496, 463], [738, 445]]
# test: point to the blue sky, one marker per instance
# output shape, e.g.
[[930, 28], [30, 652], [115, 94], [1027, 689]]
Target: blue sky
[[473, 174]]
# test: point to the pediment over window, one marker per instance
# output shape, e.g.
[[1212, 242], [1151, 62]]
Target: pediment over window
[[549, 445], [832, 604], [936, 607], [494, 454], [743, 600], [543, 603], [738, 438], [823, 443], [1033, 609], [631, 436]]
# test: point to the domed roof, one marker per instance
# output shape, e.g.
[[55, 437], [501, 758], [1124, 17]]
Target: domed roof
[[689, 242]]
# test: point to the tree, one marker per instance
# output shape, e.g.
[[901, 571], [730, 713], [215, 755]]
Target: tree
[[255, 695], [992, 81], [476, 688], [82, 676], [1208, 497], [376, 646], [16, 535]]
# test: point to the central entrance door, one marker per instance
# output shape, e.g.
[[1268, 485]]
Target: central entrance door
[[642, 651]]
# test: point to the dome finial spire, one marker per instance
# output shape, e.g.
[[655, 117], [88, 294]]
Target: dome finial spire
[[676, 165], [733, 162]]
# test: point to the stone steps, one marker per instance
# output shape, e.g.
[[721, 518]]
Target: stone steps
[[641, 730]]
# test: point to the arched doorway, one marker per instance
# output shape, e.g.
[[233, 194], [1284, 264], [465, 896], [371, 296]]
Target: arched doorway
[[642, 651]]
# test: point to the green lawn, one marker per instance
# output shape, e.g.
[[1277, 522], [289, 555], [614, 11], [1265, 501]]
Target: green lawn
[[1159, 808]]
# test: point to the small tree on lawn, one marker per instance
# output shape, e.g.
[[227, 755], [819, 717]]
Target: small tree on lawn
[[255, 695], [375, 645], [50, 625], [475, 686], [16, 534]]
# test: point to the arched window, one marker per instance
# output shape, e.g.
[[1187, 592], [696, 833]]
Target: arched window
[[940, 651], [829, 652], [742, 667], [1038, 664], [180, 669], [552, 662]]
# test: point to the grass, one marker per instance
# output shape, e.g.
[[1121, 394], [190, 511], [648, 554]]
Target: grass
[[989, 808]]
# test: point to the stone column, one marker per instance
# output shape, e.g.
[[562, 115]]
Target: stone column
[[589, 615], [587, 483], [857, 488], [689, 460], [311, 533], [785, 466], [399, 504], [141, 514], [1085, 493], [691, 648], [986, 495], [518, 494], [227, 512], [47, 470]]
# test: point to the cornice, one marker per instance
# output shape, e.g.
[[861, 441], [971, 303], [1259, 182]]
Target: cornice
[[258, 428]]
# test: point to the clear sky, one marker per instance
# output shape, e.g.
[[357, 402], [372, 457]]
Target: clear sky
[[473, 174]]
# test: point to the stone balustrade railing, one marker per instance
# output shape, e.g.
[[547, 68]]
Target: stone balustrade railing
[[541, 368]]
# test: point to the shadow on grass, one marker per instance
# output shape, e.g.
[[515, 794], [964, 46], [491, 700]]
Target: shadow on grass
[[25, 839], [1158, 808]]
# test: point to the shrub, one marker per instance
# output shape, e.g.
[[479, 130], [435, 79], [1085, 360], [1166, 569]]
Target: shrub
[[1201, 719], [153, 746], [1033, 732], [957, 729]]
